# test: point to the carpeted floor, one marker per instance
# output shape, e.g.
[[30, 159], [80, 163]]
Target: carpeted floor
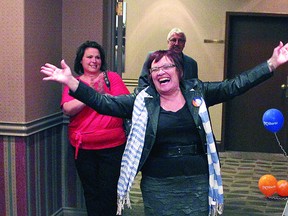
[[241, 172]]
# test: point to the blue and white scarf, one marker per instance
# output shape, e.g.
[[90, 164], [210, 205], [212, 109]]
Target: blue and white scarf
[[133, 152], [216, 198]]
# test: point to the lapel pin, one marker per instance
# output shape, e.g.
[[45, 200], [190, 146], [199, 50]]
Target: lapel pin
[[196, 102]]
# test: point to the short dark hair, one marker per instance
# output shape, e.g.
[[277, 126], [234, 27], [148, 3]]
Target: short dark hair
[[78, 68], [175, 57]]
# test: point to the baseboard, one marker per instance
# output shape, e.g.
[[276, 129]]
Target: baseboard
[[66, 211], [25, 129]]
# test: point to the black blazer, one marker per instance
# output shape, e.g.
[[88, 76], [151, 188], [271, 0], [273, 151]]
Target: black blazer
[[212, 92]]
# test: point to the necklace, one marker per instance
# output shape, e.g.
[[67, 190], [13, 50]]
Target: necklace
[[95, 82]]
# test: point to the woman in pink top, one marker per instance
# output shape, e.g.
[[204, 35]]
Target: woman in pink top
[[98, 140]]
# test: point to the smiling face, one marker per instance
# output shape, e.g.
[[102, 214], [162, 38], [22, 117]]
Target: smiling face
[[177, 42], [165, 76], [91, 61]]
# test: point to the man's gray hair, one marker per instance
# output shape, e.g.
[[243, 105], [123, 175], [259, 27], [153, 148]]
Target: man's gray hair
[[175, 31]]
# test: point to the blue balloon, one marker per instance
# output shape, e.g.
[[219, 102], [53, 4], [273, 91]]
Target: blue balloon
[[273, 120]]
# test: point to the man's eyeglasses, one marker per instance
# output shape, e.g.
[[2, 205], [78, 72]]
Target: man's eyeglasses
[[164, 68], [179, 40]]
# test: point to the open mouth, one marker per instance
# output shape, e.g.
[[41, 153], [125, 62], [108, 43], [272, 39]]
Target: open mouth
[[164, 80]]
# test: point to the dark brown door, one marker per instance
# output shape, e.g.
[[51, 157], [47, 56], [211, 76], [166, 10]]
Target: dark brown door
[[250, 40]]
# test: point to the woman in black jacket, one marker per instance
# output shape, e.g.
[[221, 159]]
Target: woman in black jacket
[[171, 140]]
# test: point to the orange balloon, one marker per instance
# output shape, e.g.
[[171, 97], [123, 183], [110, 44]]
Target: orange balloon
[[267, 185], [282, 188]]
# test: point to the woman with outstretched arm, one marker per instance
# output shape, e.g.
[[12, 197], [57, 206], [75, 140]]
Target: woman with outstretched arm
[[171, 141]]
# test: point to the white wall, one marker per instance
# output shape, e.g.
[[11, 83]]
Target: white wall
[[149, 21]]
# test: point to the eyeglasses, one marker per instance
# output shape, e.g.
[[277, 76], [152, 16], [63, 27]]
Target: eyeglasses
[[179, 40], [164, 68]]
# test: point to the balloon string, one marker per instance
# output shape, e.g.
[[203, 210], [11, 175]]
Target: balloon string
[[285, 154]]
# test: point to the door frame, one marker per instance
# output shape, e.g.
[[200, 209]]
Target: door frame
[[114, 30], [229, 16]]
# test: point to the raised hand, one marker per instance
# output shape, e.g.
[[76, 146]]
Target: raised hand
[[56, 74], [280, 55], [63, 75]]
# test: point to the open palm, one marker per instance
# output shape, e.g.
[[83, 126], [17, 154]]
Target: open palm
[[280, 55], [54, 73]]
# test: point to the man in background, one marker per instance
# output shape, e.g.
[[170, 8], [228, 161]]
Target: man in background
[[176, 40]]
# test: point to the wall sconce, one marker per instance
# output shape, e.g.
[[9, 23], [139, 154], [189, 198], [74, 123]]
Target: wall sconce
[[214, 41]]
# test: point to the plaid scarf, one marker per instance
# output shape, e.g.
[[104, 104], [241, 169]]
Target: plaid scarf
[[133, 150]]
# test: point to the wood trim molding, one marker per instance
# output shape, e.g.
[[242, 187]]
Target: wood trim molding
[[29, 128], [70, 211], [131, 82]]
